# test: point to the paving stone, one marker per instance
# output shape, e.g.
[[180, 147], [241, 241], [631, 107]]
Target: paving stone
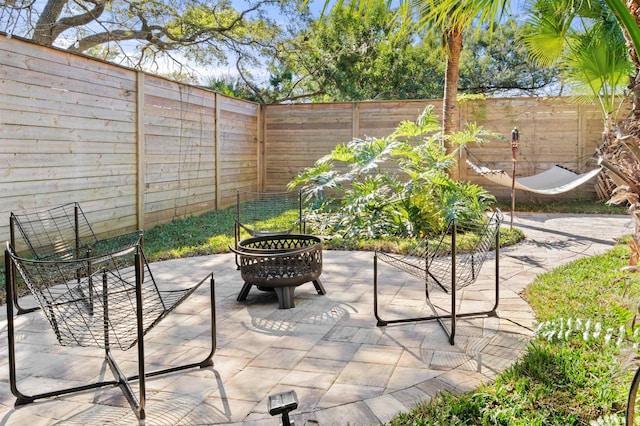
[[278, 358], [358, 411], [384, 407], [378, 354], [321, 365], [309, 379], [434, 386], [341, 394], [366, 374], [443, 360], [410, 396], [405, 377]]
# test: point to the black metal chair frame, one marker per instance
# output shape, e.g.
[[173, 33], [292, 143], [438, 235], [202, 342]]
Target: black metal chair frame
[[95, 297], [61, 232], [254, 207], [438, 262], [97, 303]]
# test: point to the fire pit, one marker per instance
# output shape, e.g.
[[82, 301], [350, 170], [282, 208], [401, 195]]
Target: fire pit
[[280, 263]]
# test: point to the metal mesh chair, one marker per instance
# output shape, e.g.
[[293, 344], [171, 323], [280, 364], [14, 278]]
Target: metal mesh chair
[[439, 263], [61, 233], [267, 213], [95, 297]]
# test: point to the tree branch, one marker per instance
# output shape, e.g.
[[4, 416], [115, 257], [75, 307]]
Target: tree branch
[[107, 36], [50, 25], [50, 13]]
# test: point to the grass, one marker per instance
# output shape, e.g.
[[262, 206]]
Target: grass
[[209, 233], [557, 381]]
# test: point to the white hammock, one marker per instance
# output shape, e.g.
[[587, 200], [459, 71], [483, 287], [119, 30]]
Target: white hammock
[[556, 180]]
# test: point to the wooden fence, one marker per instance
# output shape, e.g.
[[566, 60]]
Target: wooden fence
[[134, 149], [552, 131], [137, 150]]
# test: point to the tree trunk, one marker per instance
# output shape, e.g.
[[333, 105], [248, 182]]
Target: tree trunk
[[450, 115], [43, 32]]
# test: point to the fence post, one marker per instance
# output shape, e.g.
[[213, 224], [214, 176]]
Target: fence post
[[355, 120], [216, 144], [463, 119], [261, 150], [140, 148], [582, 139]]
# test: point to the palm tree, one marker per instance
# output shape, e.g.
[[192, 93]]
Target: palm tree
[[450, 19], [586, 43], [447, 19]]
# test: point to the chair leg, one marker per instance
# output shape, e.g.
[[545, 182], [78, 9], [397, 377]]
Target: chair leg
[[138, 405], [208, 360], [22, 398], [450, 330], [381, 322]]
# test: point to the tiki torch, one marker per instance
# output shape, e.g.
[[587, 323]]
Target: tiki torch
[[515, 138]]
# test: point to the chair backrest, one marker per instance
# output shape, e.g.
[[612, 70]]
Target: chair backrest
[[481, 238], [264, 213], [90, 301], [61, 232]]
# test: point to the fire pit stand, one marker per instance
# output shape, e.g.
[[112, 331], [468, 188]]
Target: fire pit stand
[[280, 263]]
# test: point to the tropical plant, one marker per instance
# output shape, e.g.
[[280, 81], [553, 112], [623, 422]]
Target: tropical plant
[[620, 152], [397, 185], [585, 42]]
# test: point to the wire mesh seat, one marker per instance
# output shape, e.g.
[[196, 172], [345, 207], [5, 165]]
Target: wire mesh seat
[[439, 263], [104, 298], [61, 233], [267, 213]]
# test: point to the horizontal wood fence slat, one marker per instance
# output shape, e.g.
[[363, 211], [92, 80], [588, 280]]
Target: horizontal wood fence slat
[[138, 150]]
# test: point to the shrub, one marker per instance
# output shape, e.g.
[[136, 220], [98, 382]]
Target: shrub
[[398, 185]]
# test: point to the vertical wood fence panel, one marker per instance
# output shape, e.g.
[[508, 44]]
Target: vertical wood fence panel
[[297, 135], [552, 131], [179, 153], [379, 119], [238, 140]]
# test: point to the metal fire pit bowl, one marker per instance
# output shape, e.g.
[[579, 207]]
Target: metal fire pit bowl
[[280, 263]]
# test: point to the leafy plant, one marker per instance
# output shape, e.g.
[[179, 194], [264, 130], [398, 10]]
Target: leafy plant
[[396, 185]]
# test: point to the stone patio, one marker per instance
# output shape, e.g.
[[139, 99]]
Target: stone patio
[[343, 367]]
